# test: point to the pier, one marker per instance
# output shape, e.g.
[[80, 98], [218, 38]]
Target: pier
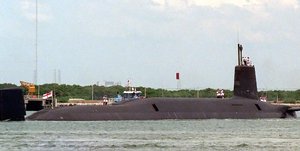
[[288, 104], [36, 104]]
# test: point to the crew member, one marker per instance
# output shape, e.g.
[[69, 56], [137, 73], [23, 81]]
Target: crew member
[[105, 101], [244, 61], [218, 93], [222, 94], [249, 62], [263, 99]]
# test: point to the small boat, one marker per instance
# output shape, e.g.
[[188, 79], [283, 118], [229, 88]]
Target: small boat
[[132, 94]]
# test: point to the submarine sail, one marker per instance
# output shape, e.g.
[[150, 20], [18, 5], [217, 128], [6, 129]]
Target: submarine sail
[[244, 77]]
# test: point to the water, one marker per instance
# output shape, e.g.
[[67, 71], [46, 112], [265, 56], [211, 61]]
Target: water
[[264, 134]]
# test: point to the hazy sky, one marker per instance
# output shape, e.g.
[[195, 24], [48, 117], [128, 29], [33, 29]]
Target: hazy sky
[[148, 41]]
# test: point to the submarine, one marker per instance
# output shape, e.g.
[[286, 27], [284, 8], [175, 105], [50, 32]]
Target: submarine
[[245, 104]]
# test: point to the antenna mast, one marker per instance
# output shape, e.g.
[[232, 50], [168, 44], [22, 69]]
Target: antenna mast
[[36, 47], [240, 47], [240, 54], [36, 41]]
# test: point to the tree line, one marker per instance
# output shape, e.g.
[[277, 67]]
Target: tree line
[[65, 92]]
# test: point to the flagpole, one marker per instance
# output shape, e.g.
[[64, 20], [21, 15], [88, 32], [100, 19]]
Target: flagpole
[[92, 91], [52, 101]]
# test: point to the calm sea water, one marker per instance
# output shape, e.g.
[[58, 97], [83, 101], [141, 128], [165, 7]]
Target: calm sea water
[[264, 134]]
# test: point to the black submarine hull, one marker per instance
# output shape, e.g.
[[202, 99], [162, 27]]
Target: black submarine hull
[[168, 108]]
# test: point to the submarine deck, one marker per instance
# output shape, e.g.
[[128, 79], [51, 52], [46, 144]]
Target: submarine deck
[[166, 108]]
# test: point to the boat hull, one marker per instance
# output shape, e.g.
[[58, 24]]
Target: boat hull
[[164, 108]]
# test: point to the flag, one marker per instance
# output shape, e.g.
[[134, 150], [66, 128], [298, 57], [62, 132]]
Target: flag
[[47, 95]]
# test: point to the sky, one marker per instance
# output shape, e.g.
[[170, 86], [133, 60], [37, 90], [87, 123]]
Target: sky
[[149, 41]]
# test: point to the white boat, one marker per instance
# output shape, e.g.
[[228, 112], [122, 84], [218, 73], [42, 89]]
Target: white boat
[[132, 93]]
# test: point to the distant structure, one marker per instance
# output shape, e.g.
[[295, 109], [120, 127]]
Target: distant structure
[[178, 81], [54, 76], [111, 83], [57, 76]]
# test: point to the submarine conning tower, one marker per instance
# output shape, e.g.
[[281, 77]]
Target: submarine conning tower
[[244, 78]]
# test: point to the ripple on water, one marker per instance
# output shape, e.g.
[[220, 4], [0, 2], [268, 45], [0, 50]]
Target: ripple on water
[[270, 134]]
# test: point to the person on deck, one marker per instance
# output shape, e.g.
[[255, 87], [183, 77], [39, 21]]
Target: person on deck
[[218, 93], [222, 94], [105, 100]]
